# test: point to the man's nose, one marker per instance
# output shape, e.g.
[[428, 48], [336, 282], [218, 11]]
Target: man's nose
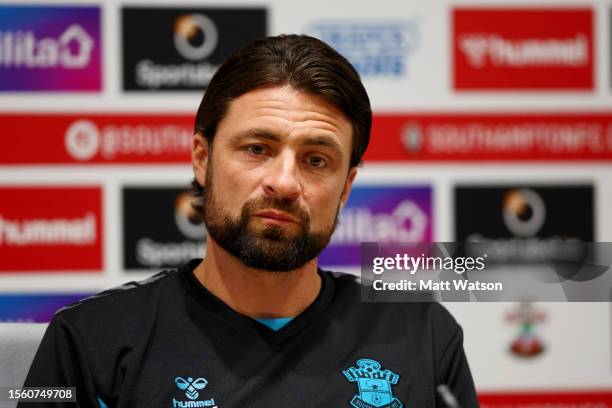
[[282, 179]]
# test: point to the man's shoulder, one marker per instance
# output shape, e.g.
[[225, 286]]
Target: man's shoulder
[[128, 302]]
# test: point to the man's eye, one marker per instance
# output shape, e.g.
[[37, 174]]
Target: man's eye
[[256, 149], [316, 161]]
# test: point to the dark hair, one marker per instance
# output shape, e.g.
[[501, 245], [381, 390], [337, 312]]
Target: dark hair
[[306, 64]]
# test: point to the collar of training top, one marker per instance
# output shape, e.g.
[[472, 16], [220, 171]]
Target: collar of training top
[[251, 327]]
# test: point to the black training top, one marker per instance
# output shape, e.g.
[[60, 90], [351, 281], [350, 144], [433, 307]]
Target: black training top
[[169, 342]]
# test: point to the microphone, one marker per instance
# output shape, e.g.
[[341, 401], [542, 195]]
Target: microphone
[[447, 397]]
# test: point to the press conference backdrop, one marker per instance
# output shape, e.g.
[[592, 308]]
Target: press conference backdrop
[[474, 101]]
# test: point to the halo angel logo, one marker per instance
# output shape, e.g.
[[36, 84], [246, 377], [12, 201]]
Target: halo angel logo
[[191, 386], [527, 343], [374, 385]]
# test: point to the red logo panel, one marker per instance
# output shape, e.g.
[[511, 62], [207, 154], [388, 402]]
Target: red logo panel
[[97, 139], [523, 49], [491, 137], [50, 228]]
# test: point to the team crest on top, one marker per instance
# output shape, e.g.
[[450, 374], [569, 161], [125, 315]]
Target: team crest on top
[[374, 385]]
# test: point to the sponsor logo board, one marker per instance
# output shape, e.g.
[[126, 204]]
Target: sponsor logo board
[[96, 139], [377, 49], [181, 48], [524, 223], [174, 238], [50, 228], [34, 308], [167, 138], [523, 48], [494, 137], [50, 48], [379, 214]]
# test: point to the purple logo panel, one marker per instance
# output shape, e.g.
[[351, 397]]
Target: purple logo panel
[[50, 48], [35, 308], [379, 214]]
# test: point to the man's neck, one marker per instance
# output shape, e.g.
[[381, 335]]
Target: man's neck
[[257, 293]]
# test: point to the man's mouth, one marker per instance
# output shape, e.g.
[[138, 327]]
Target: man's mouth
[[277, 217]]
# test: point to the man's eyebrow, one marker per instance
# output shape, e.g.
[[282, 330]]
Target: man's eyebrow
[[310, 141], [323, 141], [258, 134]]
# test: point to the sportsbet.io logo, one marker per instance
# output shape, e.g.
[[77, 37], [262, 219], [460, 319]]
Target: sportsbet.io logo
[[187, 219], [524, 212], [187, 45], [188, 29], [191, 387]]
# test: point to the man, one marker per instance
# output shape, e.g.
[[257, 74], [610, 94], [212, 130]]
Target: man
[[279, 135]]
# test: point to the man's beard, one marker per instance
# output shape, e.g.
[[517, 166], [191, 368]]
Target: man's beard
[[267, 248]]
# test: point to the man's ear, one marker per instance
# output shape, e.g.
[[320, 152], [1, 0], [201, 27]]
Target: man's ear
[[348, 185], [199, 157]]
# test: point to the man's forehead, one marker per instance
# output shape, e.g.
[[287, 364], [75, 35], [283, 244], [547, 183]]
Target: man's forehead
[[288, 104]]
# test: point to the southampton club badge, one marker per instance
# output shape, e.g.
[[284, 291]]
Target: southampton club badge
[[374, 385]]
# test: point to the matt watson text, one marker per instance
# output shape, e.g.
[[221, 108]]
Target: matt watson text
[[432, 285]]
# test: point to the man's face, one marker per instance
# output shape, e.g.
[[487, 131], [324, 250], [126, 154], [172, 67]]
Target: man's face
[[276, 177]]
